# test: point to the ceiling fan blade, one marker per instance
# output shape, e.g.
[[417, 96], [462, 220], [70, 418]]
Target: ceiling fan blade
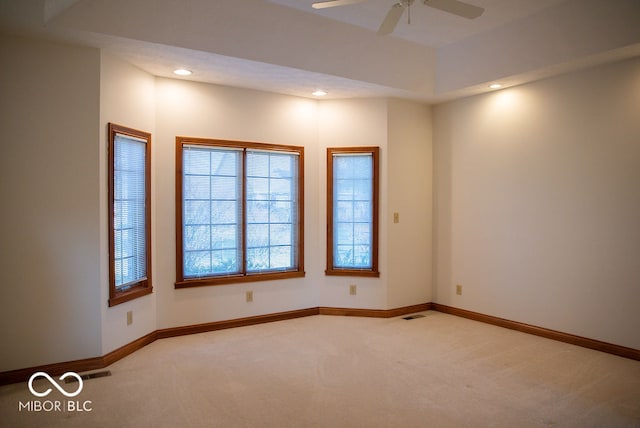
[[456, 7], [391, 20], [334, 3]]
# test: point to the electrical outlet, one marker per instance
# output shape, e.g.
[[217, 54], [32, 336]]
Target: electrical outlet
[[129, 317], [459, 290], [249, 296], [353, 289]]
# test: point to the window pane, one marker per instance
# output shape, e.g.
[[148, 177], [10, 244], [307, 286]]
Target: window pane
[[225, 212], [197, 162], [197, 263], [257, 235], [281, 212], [257, 188], [197, 212], [362, 233], [225, 163], [352, 211], [280, 189], [225, 187], [225, 261], [343, 256], [343, 211], [280, 234], [224, 237], [282, 165], [258, 211], [352, 167], [362, 212], [126, 243], [362, 256], [211, 211], [197, 237], [258, 164], [257, 259], [129, 204], [197, 187], [344, 233], [271, 210], [281, 257], [362, 188], [344, 190]]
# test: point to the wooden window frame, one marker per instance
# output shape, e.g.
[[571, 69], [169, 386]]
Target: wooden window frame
[[143, 286], [244, 276], [338, 271]]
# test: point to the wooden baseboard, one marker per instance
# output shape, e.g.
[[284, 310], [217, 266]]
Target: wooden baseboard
[[55, 369], [129, 348], [376, 313], [238, 322], [609, 348], [96, 363]]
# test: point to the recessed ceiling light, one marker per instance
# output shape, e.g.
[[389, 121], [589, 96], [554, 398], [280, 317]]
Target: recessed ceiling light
[[319, 93], [182, 72], [495, 86]]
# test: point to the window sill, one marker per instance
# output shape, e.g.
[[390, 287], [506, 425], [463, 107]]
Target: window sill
[[132, 293], [352, 272], [234, 279]]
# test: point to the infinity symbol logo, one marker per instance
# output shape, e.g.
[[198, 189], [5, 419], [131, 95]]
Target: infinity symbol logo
[[54, 383]]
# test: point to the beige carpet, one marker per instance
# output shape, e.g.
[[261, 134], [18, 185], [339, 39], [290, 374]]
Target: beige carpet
[[325, 371]]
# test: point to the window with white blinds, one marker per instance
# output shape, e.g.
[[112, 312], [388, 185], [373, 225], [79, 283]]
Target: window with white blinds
[[272, 211], [240, 212], [352, 211], [129, 214], [212, 211]]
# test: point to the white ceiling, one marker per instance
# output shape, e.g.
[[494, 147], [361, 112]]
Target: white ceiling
[[429, 26], [286, 46]]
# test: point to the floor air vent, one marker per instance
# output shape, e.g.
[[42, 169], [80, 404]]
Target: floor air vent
[[89, 376], [412, 317]]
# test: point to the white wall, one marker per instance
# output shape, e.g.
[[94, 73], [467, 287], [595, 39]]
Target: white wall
[[127, 97], [49, 184], [344, 123], [409, 195], [203, 110], [537, 203]]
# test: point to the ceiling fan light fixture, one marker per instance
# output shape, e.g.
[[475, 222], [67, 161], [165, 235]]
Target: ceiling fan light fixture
[[182, 72], [455, 7]]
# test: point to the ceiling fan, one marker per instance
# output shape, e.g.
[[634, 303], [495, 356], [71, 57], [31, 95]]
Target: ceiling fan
[[455, 7]]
